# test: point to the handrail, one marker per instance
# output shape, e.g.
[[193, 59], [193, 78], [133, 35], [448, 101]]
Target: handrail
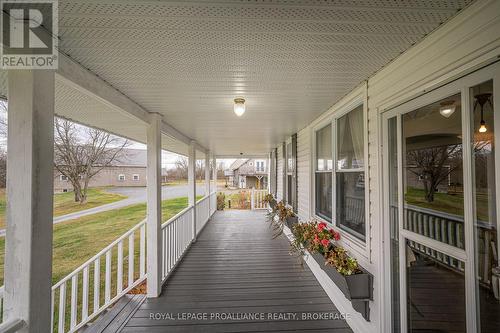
[[100, 253], [12, 326]]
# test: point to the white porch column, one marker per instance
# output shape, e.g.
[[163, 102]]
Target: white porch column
[[30, 163], [207, 173], [154, 206], [214, 171], [192, 183]]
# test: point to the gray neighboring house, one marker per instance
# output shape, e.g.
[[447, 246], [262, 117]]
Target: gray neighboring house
[[128, 170], [248, 173]]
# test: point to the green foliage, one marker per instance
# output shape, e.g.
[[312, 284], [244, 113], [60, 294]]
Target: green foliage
[[221, 201], [344, 264]]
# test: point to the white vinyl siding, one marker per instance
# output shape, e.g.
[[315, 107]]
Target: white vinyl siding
[[280, 174], [304, 174]]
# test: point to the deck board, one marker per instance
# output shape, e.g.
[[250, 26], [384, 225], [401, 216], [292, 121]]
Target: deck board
[[236, 267]]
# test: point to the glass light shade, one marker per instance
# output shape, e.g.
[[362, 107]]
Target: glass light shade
[[239, 106], [447, 111], [482, 128]]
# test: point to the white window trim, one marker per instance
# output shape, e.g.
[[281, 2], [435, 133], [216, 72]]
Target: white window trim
[[351, 243], [120, 176], [136, 177], [61, 178]]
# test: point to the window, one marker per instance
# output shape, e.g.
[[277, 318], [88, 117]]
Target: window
[[259, 166], [63, 178], [121, 177], [350, 174], [135, 177], [323, 173]]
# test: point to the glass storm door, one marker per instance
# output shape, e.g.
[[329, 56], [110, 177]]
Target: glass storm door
[[441, 176]]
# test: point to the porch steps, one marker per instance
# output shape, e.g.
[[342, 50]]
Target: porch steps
[[115, 317]]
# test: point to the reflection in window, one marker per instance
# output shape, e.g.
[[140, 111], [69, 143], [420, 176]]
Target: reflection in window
[[350, 140], [350, 175], [350, 197], [485, 222], [323, 196], [433, 180], [324, 149], [323, 173], [435, 291]]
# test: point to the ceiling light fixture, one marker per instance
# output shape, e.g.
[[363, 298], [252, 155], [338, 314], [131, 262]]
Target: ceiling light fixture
[[239, 106], [447, 109]]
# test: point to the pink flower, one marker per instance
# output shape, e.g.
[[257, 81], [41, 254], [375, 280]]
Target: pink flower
[[336, 236], [316, 239], [321, 226], [325, 242]]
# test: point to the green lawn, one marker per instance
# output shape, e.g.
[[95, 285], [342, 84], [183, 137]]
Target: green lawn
[[447, 203], [64, 203], [76, 241]]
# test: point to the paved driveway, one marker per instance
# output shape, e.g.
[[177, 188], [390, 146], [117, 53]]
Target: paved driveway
[[135, 195]]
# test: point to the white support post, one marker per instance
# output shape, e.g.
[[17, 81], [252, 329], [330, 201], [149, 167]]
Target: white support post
[[207, 176], [214, 170], [30, 174], [192, 183], [154, 238]]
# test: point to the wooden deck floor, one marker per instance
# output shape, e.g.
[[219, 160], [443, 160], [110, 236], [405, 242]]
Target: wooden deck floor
[[236, 269]]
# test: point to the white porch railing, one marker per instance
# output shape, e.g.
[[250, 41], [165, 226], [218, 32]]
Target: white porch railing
[[177, 234], [120, 267], [103, 279], [257, 199]]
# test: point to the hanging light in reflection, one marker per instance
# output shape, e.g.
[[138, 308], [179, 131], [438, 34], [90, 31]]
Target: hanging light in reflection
[[481, 100], [239, 106], [447, 108]]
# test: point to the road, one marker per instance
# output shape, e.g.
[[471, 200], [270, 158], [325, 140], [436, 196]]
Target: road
[[135, 195]]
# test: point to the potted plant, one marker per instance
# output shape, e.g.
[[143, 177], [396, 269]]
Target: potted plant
[[354, 281]]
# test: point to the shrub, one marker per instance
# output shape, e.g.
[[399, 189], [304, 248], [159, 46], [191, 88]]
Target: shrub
[[221, 201]]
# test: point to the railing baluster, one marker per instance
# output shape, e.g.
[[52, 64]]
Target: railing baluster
[[142, 251], [52, 309], [131, 243], [119, 268], [62, 308], [85, 293], [74, 300], [107, 280], [97, 283]]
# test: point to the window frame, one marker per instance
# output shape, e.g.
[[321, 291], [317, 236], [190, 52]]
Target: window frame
[[136, 175], [120, 176], [348, 240]]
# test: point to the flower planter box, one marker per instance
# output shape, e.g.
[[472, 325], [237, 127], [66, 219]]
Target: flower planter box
[[358, 288]]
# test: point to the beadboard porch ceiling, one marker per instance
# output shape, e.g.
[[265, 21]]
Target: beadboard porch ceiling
[[187, 60]]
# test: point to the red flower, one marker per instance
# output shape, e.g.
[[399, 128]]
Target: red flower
[[325, 242], [321, 226], [336, 236], [316, 239]]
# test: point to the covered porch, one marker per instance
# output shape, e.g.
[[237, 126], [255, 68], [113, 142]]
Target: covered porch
[[328, 88]]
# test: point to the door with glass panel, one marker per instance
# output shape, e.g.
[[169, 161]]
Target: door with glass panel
[[441, 177]]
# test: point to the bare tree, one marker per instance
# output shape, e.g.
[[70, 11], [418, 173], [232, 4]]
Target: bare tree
[[433, 165], [3, 118], [181, 167], [80, 153]]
